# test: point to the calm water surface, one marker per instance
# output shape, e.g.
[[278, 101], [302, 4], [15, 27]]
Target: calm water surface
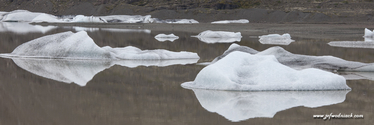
[[122, 94]]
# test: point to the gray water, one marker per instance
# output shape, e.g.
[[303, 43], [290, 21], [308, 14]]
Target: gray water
[[153, 95]]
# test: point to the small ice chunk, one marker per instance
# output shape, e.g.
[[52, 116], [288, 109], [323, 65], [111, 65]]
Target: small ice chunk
[[352, 44], [239, 106], [219, 36], [241, 71], [231, 21], [276, 39], [163, 37], [368, 33]]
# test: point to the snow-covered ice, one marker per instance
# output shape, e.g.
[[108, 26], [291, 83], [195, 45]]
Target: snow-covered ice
[[81, 72], [23, 28], [276, 39], [231, 21], [298, 61], [164, 37], [69, 45], [242, 71], [219, 36], [239, 106]]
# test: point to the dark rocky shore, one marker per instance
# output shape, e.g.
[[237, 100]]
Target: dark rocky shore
[[256, 11]]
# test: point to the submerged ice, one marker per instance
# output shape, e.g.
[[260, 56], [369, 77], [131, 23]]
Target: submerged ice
[[69, 45], [239, 106], [246, 72], [276, 39], [219, 36]]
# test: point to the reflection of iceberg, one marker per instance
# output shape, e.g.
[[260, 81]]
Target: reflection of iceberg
[[231, 21], [303, 61], [276, 39], [82, 71], [239, 106], [23, 28], [69, 45], [219, 36], [164, 37], [245, 72]]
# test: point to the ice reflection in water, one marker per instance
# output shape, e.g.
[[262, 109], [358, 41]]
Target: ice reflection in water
[[239, 106], [82, 71], [24, 28], [92, 29]]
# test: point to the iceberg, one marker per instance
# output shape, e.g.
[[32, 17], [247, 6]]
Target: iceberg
[[27, 16], [81, 72], [352, 44], [276, 39], [128, 19], [240, 106], [298, 61], [368, 33], [231, 21], [176, 21], [92, 29], [219, 36], [24, 28], [240, 71], [69, 45], [87, 19], [164, 37]]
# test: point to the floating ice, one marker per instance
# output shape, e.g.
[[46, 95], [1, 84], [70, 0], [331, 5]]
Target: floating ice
[[82, 71], [239, 106], [69, 45], [352, 44], [128, 18], [23, 28], [177, 21], [164, 37], [27, 16], [88, 19], [219, 36], [276, 39], [231, 21], [92, 29], [298, 61], [245, 72], [357, 75], [368, 33]]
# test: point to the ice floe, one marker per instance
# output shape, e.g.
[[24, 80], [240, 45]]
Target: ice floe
[[352, 44], [239, 106], [276, 39], [368, 33], [176, 21], [242, 71], [23, 28], [298, 61], [93, 29], [81, 72], [163, 37], [209, 36], [357, 75], [87, 19], [69, 45], [231, 21], [27, 16]]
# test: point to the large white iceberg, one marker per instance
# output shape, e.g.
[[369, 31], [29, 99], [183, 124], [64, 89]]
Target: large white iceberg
[[81, 72], [164, 37], [276, 39], [69, 45], [231, 21], [239, 106], [23, 28], [27, 16], [219, 36], [242, 71], [298, 61]]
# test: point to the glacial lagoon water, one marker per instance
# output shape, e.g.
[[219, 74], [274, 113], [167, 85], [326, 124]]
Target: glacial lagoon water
[[136, 92]]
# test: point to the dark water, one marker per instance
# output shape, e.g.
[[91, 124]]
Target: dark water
[[153, 95]]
